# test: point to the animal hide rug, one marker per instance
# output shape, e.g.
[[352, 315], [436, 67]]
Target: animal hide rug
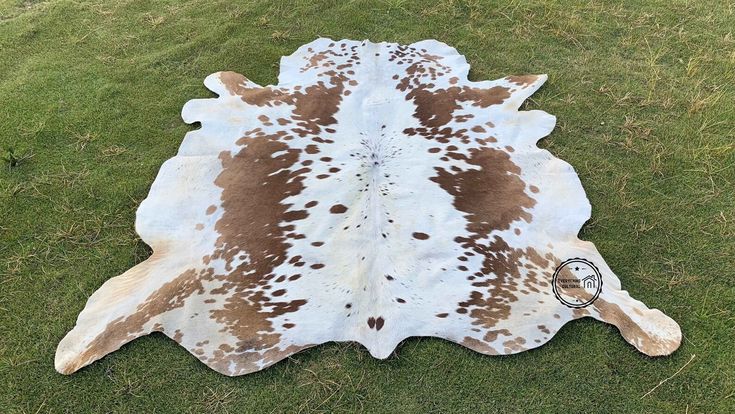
[[374, 194]]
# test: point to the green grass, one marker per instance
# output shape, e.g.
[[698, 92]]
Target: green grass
[[90, 95]]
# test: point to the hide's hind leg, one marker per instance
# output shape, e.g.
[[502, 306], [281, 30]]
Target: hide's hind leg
[[124, 308]]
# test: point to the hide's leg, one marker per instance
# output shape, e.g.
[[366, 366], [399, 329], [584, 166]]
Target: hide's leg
[[117, 313], [649, 330]]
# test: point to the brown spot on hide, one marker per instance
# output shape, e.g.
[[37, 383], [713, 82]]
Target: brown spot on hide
[[478, 345], [522, 80], [434, 108], [493, 195], [379, 322], [338, 209], [255, 181], [314, 107]]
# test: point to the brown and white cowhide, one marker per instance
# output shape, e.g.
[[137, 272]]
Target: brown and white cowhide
[[374, 194]]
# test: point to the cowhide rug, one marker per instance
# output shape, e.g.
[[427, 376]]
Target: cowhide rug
[[374, 194]]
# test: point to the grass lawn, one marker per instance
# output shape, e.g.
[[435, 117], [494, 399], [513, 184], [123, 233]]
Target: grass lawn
[[90, 96]]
